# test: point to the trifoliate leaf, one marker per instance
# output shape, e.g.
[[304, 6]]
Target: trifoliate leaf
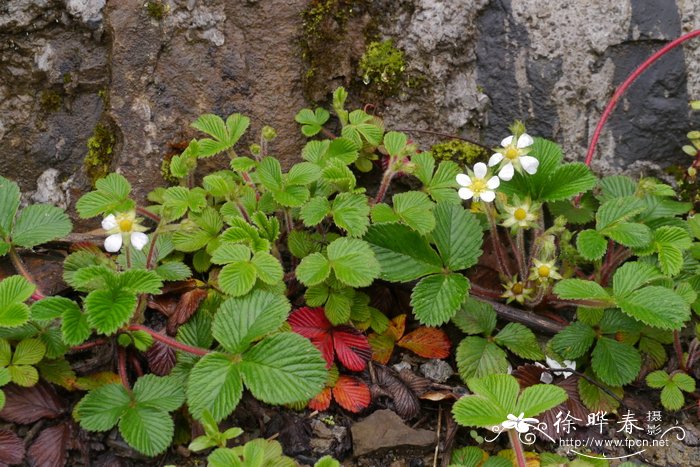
[[520, 340], [225, 135], [579, 289], [40, 223], [149, 431], [350, 212], [477, 357], [402, 253], [615, 363], [314, 211], [353, 262], [312, 122], [159, 393], [9, 203], [360, 127], [574, 340], [591, 245], [284, 368], [241, 321], [435, 299], [303, 173], [214, 385], [267, 267], [475, 317], [458, 236], [50, 308], [74, 326], [630, 276], [107, 310], [568, 180], [102, 408], [178, 200], [539, 398], [656, 306], [28, 352], [313, 269], [112, 195]]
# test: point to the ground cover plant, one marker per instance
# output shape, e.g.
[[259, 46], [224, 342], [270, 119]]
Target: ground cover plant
[[255, 278]]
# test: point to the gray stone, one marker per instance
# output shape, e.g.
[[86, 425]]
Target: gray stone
[[437, 370], [385, 429]]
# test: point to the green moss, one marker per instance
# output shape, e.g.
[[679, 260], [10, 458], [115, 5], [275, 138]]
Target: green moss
[[156, 9], [99, 157], [459, 151], [50, 100], [67, 78], [165, 171], [104, 95], [383, 66]]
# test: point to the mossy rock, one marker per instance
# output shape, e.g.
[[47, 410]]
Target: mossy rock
[[459, 151], [100, 150]]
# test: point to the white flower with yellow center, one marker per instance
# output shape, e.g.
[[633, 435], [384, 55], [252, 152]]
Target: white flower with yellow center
[[544, 271], [522, 215], [512, 156], [477, 186], [123, 228]]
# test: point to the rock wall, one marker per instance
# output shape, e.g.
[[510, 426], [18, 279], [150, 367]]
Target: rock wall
[[144, 70]]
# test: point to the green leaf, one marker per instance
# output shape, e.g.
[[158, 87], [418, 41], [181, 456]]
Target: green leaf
[[658, 379], [435, 299], [5, 353], [292, 196], [595, 398], [519, 340], [40, 223], [314, 211], [241, 321], [236, 279], [583, 213], [539, 398], [23, 375], [230, 253], [402, 253], [615, 363], [591, 245], [497, 388], [672, 397], [303, 173], [50, 308], [338, 306], [284, 368], [214, 385], [267, 267], [225, 135], [173, 271], [477, 357], [350, 212], [149, 431], [684, 382], [578, 289], [13, 291], [159, 393], [312, 122], [568, 180], [112, 195], [9, 203], [74, 326], [656, 306], [102, 408], [457, 235], [574, 340], [617, 210], [313, 269], [108, 310], [670, 243], [140, 281], [477, 411], [28, 352], [629, 234], [178, 200], [395, 143], [270, 173], [616, 186], [353, 262], [475, 317], [630, 276]]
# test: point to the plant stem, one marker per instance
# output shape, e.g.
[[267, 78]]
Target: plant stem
[[517, 448], [525, 317], [626, 84], [386, 180], [22, 269], [88, 345], [121, 366], [127, 254], [679, 351], [146, 213], [520, 253], [496, 241], [327, 133], [169, 341]]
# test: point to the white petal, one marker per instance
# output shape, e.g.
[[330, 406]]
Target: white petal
[[530, 420], [546, 377], [506, 172], [509, 425], [510, 416], [522, 427], [480, 170], [464, 180], [507, 141], [493, 183], [113, 243], [487, 196], [524, 141], [109, 222], [495, 158], [139, 240], [530, 164], [465, 193], [553, 363]]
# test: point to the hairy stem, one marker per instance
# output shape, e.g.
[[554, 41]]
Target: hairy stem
[[525, 317], [520, 253], [517, 448], [496, 241], [146, 213], [169, 341], [22, 269], [386, 181], [121, 366], [89, 345], [679, 351]]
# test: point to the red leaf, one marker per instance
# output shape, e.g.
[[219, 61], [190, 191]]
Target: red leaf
[[351, 394], [51, 446], [322, 400], [11, 448], [310, 322], [351, 347], [427, 342], [27, 405], [161, 358]]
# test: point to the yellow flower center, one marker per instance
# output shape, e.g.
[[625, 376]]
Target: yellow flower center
[[478, 185], [511, 153], [517, 288], [125, 225], [543, 271], [520, 214]]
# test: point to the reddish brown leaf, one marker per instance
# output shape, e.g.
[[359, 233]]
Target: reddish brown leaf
[[427, 342], [396, 328], [322, 400], [50, 447], [27, 405], [161, 358], [351, 394], [11, 448], [189, 303], [351, 347], [382, 347], [310, 322], [406, 403]]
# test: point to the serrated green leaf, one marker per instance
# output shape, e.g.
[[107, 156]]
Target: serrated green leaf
[[292, 196], [616, 186], [338, 305], [9, 203], [241, 321], [173, 271], [112, 195], [28, 352], [303, 173], [435, 299], [630, 276], [267, 267], [108, 310], [656, 306], [159, 393], [102, 408], [217, 185], [568, 180], [140, 281], [23, 375], [149, 431], [658, 379], [5, 353], [684, 382], [574, 340], [519, 340], [457, 235], [539, 398], [501, 389], [591, 245], [617, 210], [270, 173], [475, 317], [350, 212], [578, 289], [477, 357], [284, 368], [225, 134], [236, 279], [414, 209], [353, 262], [40, 223], [672, 397], [214, 385], [402, 253], [74, 326], [50, 308], [14, 290], [629, 234], [615, 363], [178, 200], [314, 211], [231, 253], [312, 122], [313, 269], [477, 411], [395, 143]]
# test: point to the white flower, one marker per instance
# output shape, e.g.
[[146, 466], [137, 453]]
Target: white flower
[[520, 423], [477, 186], [512, 156], [123, 226], [567, 364], [544, 271]]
